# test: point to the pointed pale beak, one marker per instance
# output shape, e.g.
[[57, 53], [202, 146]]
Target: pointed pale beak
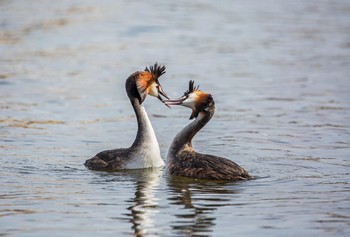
[[175, 102], [161, 92]]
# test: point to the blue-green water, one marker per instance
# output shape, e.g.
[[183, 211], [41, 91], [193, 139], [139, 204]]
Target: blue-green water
[[279, 74]]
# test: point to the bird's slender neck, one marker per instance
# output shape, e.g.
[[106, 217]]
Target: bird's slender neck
[[145, 132], [184, 138]]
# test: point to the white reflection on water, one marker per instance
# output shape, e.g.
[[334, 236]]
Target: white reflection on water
[[143, 206]]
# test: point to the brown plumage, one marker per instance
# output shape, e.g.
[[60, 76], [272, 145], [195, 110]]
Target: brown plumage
[[182, 160], [192, 164]]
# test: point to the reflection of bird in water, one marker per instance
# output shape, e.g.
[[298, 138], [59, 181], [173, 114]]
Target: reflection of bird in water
[[144, 152], [182, 160], [144, 202], [199, 199]]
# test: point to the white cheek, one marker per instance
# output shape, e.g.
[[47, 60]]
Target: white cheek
[[153, 91], [189, 102]]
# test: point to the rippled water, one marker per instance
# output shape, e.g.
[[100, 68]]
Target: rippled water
[[278, 71]]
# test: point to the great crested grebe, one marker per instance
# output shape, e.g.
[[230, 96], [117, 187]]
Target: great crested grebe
[[182, 160], [144, 152]]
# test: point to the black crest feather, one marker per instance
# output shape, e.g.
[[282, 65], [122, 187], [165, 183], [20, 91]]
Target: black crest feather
[[191, 88], [156, 70]]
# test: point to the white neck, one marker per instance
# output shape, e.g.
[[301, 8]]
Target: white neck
[[145, 148]]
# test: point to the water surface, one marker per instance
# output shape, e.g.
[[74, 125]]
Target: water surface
[[279, 74]]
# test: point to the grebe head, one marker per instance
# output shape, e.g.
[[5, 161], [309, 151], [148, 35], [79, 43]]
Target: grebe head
[[143, 83], [194, 99]]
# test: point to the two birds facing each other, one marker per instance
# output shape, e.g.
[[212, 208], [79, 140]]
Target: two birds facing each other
[[182, 160]]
